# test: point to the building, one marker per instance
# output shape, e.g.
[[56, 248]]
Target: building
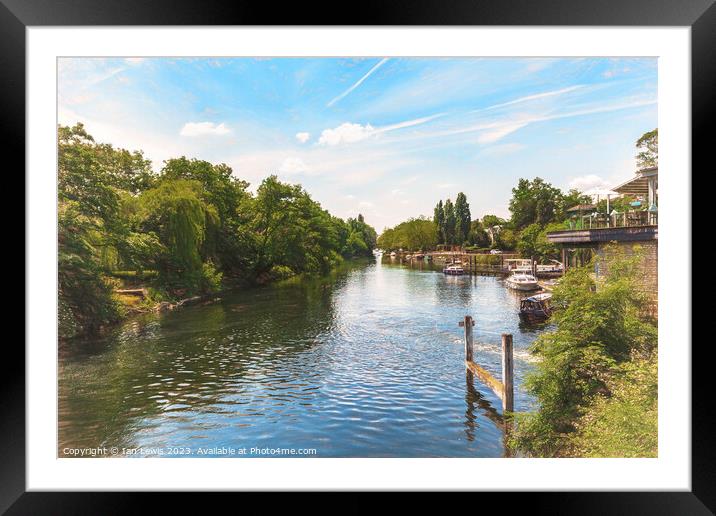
[[630, 231]]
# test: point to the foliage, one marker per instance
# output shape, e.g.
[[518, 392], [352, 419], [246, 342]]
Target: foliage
[[439, 220], [462, 219], [600, 328], [453, 221], [506, 239], [450, 221], [176, 213], [527, 242], [648, 146], [624, 424], [85, 299], [534, 202], [533, 242], [182, 231], [573, 198], [413, 235], [360, 238], [478, 235]]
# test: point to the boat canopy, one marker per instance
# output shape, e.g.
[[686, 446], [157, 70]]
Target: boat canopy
[[538, 297]]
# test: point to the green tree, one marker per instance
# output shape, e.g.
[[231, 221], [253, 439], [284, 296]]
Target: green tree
[[527, 241], [572, 198], [177, 214], [439, 220], [534, 202], [463, 219], [478, 235], [507, 239], [648, 147], [450, 222]]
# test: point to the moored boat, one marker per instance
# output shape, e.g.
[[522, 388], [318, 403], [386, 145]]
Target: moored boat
[[522, 281], [536, 308], [453, 270]]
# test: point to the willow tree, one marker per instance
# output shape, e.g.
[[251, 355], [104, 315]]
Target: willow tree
[[175, 211]]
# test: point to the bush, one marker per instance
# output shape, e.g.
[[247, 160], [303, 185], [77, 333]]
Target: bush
[[210, 278], [624, 424], [280, 272], [600, 329]]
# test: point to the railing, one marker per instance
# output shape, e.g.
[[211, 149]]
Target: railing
[[617, 220]]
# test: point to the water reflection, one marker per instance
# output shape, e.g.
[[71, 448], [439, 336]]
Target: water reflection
[[365, 362]]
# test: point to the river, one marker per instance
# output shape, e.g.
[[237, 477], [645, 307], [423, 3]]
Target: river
[[365, 362]]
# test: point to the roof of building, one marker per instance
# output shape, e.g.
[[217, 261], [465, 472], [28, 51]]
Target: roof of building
[[639, 184]]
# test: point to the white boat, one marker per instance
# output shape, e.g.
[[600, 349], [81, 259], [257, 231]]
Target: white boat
[[453, 270], [554, 266], [522, 281]]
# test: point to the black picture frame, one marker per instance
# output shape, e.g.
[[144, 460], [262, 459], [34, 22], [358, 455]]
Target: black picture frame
[[17, 15]]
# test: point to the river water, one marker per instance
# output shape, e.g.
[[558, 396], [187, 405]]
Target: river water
[[365, 362]]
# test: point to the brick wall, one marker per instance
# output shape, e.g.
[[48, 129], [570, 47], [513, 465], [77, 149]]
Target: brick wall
[[648, 267]]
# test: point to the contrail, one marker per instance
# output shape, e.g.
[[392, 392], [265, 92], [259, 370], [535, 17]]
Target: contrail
[[358, 83]]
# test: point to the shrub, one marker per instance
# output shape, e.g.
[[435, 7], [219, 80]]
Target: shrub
[[624, 424], [280, 272], [600, 328]]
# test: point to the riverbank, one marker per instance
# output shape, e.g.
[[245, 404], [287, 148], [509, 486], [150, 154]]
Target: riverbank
[[135, 298]]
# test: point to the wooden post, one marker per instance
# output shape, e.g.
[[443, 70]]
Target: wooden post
[[468, 323], [508, 399]]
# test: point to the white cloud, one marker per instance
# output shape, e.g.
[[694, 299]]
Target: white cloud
[[357, 83], [445, 186], [303, 137], [499, 133], [535, 97], [134, 60], [204, 128], [503, 149], [589, 182], [293, 166], [346, 133], [365, 204], [350, 133]]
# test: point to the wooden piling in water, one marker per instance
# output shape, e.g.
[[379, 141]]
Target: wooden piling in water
[[468, 323], [508, 397], [503, 389]]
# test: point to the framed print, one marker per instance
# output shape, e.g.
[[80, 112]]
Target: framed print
[[420, 252]]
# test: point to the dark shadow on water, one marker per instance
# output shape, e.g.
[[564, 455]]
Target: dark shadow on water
[[477, 402]]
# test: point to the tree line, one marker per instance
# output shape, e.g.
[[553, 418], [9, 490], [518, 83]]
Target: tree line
[[536, 208], [190, 229]]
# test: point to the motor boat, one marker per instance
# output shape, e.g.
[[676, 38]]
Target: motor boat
[[536, 308], [553, 267], [454, 270], [522, 281]]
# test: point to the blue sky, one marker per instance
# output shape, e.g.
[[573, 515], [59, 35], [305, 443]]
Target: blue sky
[[386, 137]]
